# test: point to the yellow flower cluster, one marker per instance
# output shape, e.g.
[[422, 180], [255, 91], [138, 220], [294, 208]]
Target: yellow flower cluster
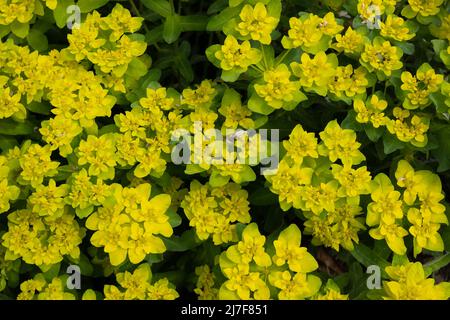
[[251, 272], [409, 282], [129, 224], [331, 292], [328, 193], [256, 23], [77, 95], [104, 41], [17, 14], [405, 125], [205, 284], [214, 211], [41, 241], [39, 288], [382, 57], [138, 286], [420, 199], [9, 191], [419, 87], [311, 33]]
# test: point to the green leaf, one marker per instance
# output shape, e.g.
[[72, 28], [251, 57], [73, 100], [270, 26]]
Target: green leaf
[[7, 143], [83, 213], [37, 40], [4, 30], [373, 133], [85, 265], [439, 45], [438, 100], [39, 107], [217, 180], [230, 75], [20, 29], [90, 5], [187, 241], [174, 218], [217, 6], [263, 197], [60, 13], [12, 128], [437, 264], [154, 258], [136, 68], [368, 257], [350, 122], [51, 271], [172, 28], [391, 143], [161, 7], [217, 22], [407, 48], [259, 105], [193, 23], [184, 66], [268, 60], [155, 35], [408, 12], [442, 154]]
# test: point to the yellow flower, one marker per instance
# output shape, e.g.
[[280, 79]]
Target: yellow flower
[[99, 153], [55, 291], [135, 284], [409, 282], [351, 42], [250, 248], [316, 73], [201, 96], [36, 164], [381, 56], [425, 233], [213, 211], [297, 287], [205, 284], [256, 23], [370, 10], [234, 112], [419, 87], [10, 105], [162, 290], [338, 143], [59, 133], [288, 250], [339, 227], [157, 100], [237, 57], [386, 206], [42, 242], [277, 87], [241, 284], [301, 144], [425, 8], [332, 292], [49, 200], [288, 182], [311, 33], [353, 181], [394, 27]]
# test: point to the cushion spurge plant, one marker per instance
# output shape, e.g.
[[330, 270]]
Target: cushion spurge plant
[[230, 149]]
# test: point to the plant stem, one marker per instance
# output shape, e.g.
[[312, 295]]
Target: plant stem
[[136, 11]]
